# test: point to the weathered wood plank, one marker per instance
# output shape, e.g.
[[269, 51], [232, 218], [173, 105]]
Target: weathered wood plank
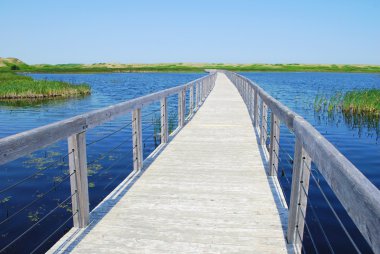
[[274, 150], [18, 145], [207, 191], [164, 121], [358, 195], [78, 179], [137, 140], [264, 124]]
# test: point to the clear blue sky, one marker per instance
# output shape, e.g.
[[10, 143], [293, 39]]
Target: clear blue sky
[[234, 31]]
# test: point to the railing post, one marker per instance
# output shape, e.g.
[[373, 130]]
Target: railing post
[[264, 126], [181, 107], [78, 179], [249, 104], [298, 195], [200, 93], [244, 91], [191, 100], [137, 140], [164, 121], [252, 109], [197, 95], [274, 144], [246, 94], [256, 110], [203, 91]]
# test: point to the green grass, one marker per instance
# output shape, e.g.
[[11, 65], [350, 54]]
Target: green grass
[[77, 68], [14, 86], [365, 101], [14, 64]]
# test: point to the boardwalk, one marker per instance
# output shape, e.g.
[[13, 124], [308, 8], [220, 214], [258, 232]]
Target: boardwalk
[[206, 191]]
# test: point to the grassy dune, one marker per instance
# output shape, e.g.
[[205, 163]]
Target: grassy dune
[[14, 64], [14, 86], [78, 68]]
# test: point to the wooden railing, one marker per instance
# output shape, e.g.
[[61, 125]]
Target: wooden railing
[[359, 197], [74, 129]]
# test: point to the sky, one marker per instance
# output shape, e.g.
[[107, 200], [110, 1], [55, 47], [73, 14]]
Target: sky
[[213, 31]]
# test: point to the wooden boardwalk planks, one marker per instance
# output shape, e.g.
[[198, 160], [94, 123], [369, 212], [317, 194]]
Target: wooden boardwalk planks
[[206, 191]]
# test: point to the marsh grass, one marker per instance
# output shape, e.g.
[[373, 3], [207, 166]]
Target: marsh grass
[[366, 101], [360, 108], [14, 86], [13, 64], [156, 120]]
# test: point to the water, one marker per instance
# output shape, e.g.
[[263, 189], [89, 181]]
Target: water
[[111, 159], [358, 142], [109, 156]]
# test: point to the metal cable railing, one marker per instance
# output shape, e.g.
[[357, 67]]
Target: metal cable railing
[[110, 134], [40, 197], [37, 223], [12, 186], [332, 208], [344, 179], [75, 129], [54, 232]]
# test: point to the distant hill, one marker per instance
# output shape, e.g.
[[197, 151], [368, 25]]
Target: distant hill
[[12, 63], [8, 64]]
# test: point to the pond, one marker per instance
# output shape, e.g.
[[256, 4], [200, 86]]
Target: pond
[[357, 139], [110, 158]]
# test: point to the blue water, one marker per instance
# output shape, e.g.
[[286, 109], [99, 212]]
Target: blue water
[[358, 142], [111, 159]]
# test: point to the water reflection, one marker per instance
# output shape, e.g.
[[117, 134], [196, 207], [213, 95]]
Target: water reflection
[[36, 103]]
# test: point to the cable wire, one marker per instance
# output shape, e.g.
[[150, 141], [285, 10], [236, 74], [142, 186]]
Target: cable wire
[[332, 209], [112, 133], [38, 222], [36, 200], [33, 175], [55, 231]]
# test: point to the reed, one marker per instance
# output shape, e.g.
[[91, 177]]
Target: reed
[[366, 100], [14, 86], [356, 101]]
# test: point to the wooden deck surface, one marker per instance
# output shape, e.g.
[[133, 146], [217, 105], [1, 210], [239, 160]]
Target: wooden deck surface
[[206, 191]]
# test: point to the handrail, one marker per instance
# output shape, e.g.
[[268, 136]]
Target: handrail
[[359, 197], [74, 129], [18, 145]]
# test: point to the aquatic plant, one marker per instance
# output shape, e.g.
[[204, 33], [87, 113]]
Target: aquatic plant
[[365, 100], [14, 86], [359, 108], [156, 120], [34, 216], [357, 101]]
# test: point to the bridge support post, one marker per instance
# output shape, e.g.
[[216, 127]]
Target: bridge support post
[[164, 121], [298, 196], [274, 144], [78, 179], [181, 107], [137, 140], [264, 126]]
